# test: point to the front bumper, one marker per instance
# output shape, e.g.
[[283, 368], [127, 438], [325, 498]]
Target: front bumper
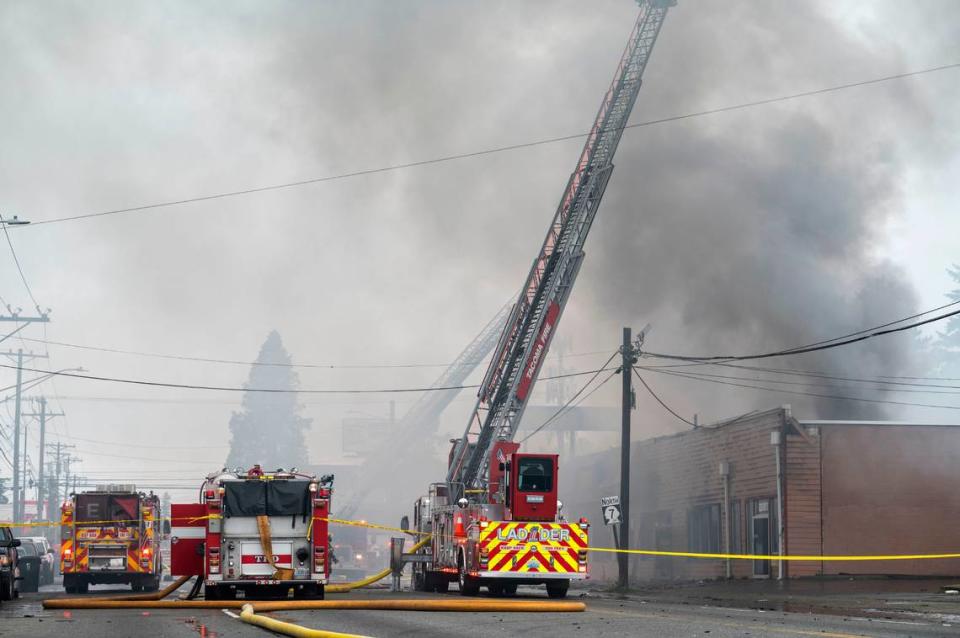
[[253, 582], [533, 576]]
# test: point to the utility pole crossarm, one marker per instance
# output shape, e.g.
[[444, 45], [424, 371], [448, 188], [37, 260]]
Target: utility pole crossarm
[[526, 338]]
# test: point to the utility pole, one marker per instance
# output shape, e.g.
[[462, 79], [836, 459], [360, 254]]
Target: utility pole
[[43, 415], [17, 501], [627, 359]]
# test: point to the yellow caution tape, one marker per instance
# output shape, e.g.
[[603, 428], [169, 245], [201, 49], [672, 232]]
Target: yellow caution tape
[[651, 552], [612, 550]]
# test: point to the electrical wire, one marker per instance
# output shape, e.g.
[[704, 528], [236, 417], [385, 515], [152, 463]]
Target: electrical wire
[[16, 260], [185, 386], [815, 385], [660, 401], [836, 342], [328, 366], [566, 405], [820, 375], [491, 151], [695, 376]]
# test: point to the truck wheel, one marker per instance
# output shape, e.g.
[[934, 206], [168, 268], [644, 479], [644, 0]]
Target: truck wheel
[[152, 583], [211, 592], [441, 586], [510, 589], [136, 586], [495, 589], [469, 586], [558, 589], [6, 587], [83, 586]]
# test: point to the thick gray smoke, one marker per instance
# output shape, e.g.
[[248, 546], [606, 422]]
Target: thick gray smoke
[[740, 232]]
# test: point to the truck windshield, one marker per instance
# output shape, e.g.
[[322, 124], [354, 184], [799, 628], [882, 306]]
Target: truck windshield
[[535, 475], [266, 498], [106, 508]]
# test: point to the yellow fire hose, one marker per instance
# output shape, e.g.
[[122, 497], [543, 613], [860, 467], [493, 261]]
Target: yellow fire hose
[[289, 629], [387, 604]]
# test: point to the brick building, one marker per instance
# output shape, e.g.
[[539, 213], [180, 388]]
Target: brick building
[[841, 487]]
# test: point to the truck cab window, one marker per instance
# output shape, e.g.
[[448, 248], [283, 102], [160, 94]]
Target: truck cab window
[[535, 475]]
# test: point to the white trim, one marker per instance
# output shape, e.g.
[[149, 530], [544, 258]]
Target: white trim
[[188, 532]]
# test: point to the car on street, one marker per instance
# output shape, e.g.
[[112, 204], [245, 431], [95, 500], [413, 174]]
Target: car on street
[[48, 565], [9, 569]]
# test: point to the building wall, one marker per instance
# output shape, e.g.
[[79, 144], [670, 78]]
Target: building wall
[[802, 502], [891, 490], [672, 475]]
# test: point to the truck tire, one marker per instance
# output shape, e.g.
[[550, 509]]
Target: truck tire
[[509, 589], [152, 583], [441, 586], [469, 586], [6, 587], [558, 589], [83, 586]]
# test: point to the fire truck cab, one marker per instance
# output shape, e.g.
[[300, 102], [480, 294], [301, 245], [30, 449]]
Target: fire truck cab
[[255, 534], [110, 535], [513, 533]]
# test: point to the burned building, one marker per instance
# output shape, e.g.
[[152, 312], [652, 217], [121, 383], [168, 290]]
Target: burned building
[[840, 488]]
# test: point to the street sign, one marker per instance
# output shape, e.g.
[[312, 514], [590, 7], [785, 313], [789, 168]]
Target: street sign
[[610, 505]]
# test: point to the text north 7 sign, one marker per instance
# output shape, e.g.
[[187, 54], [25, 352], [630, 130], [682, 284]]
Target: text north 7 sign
[[610, 506]]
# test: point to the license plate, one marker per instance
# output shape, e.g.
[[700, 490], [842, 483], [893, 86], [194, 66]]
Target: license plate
[[301, 572]]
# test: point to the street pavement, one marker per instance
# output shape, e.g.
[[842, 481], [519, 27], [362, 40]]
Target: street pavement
[[606, 615]]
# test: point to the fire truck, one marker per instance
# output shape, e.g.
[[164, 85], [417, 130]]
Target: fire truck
[[495, 520], [111, 535], [515, 535], [255, 534]]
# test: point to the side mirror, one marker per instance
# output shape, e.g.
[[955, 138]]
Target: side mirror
[[166, 526], [503, 466], [15, 543], [405, 523]]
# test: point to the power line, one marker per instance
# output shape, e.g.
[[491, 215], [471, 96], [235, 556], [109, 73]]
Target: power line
[[811, 385], [328, 366], [185, 386], [882, 380], [16, 260], [695, 377], [491, 151], [566, 405], [660, 401], [836, 342]]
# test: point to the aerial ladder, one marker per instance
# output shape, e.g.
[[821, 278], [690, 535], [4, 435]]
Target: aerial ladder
[[496, 520], [526, 338]]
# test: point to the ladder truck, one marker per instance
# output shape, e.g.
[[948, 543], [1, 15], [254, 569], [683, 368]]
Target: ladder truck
[[495, 521]]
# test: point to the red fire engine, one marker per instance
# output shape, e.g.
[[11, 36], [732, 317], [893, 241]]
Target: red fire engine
[[110, 535], [495, 521], [255, 534], [513, 536]]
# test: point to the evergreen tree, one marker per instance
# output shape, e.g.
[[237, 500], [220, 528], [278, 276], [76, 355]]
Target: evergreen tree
[[947, 345], [269, 429]]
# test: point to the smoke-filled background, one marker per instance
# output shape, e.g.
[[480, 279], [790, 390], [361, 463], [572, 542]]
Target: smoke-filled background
[[744, 231]]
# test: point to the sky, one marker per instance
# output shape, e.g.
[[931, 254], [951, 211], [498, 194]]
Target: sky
[[744, 231]]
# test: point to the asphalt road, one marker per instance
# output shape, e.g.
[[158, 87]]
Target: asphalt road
[[604, 616]]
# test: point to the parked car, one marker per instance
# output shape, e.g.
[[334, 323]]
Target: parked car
[[9, 569], [30, 562], [48, 565]]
